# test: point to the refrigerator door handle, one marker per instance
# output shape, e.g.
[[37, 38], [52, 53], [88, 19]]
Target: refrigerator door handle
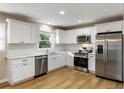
[[104, 51]]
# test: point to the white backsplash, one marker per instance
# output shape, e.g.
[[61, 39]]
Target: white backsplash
[[71, 47], [19, 50], [59, 47], [25, 49]]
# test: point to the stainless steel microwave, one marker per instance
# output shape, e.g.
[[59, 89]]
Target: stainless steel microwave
[[84, 39]]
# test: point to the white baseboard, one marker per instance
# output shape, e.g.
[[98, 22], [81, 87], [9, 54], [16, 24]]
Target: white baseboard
[[3, 80]]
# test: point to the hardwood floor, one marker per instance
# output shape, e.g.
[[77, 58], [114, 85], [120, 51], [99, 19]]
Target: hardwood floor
[[66, 78]]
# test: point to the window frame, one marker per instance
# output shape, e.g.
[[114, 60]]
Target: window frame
[[52, 45]]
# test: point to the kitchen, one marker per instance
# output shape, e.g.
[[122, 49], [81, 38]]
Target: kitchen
[[35, 51]]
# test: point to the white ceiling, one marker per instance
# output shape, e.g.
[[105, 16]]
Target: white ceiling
[[73, 12]]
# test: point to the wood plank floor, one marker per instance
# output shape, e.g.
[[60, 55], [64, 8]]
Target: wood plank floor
[[66, 78]]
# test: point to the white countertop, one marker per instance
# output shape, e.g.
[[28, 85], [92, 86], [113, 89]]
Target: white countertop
[[30, 55], [22, 56]]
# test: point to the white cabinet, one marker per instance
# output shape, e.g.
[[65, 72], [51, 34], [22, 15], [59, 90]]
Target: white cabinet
[[92, 33], [55, 61], [105, 27], [20, 69], [69, 59], [35, 31], [70, 37], [18, 32], [116, 26], [66, 37], [91, 62], [22, 32], [109, 27], [60, 36]]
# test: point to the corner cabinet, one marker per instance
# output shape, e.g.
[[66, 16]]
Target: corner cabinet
[[56, 61], [20, 69], [20, 32], [60, 34], [70, 59]]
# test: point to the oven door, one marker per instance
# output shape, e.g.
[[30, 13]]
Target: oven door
[[81, 62]]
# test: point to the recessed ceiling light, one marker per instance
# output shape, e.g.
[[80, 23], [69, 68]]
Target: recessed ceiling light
[[48, 23], [79, 21], [61, 12]]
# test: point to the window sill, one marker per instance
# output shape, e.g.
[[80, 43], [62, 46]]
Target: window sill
[[44, 49]]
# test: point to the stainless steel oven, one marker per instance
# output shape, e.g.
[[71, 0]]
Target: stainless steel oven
[[81, 63]]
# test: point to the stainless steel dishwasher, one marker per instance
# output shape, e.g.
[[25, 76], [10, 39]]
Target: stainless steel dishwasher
[[41, 65]]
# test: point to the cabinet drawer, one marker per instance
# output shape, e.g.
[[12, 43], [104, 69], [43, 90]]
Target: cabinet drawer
[[20, 60]]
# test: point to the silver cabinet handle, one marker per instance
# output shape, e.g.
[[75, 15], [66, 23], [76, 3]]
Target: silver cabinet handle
[[91, 56], [25, 60], [21, 41], [24, 64]]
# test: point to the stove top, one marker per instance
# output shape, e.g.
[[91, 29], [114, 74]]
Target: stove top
[[83, 55]]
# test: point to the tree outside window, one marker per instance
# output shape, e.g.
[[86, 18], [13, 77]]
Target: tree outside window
[[46, 39]]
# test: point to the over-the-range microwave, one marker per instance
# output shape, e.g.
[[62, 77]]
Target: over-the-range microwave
[[84, 39]]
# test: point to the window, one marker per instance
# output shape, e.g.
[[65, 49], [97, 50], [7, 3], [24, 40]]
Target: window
[[46, 40], [2, 37]]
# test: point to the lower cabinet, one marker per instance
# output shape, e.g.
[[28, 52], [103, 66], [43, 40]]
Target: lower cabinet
[[91, 62], [56, 61], [69, 59], [20, 69]]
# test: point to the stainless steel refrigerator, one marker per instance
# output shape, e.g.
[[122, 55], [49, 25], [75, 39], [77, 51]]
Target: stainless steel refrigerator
[[109, 55]]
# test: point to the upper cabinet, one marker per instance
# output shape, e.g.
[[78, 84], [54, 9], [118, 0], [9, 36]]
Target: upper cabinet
[[60, 34], [109, 27], [70, 36], [116, 26], [20, 32], [35, 31]]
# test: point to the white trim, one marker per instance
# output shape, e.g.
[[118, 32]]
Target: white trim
[[3, 80]]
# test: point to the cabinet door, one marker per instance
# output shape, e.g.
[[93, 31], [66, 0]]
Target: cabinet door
[[57, 36], [19, 32], [60, 60], [22, 69], [29, 69], [92, 32], [17, 72], [70, 60], [103, 27], [116, 26], [51, 62], [91, 62], [62, 37], [73, 35], [35, 33]]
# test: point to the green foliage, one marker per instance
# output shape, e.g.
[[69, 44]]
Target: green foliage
[[44, 41]]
